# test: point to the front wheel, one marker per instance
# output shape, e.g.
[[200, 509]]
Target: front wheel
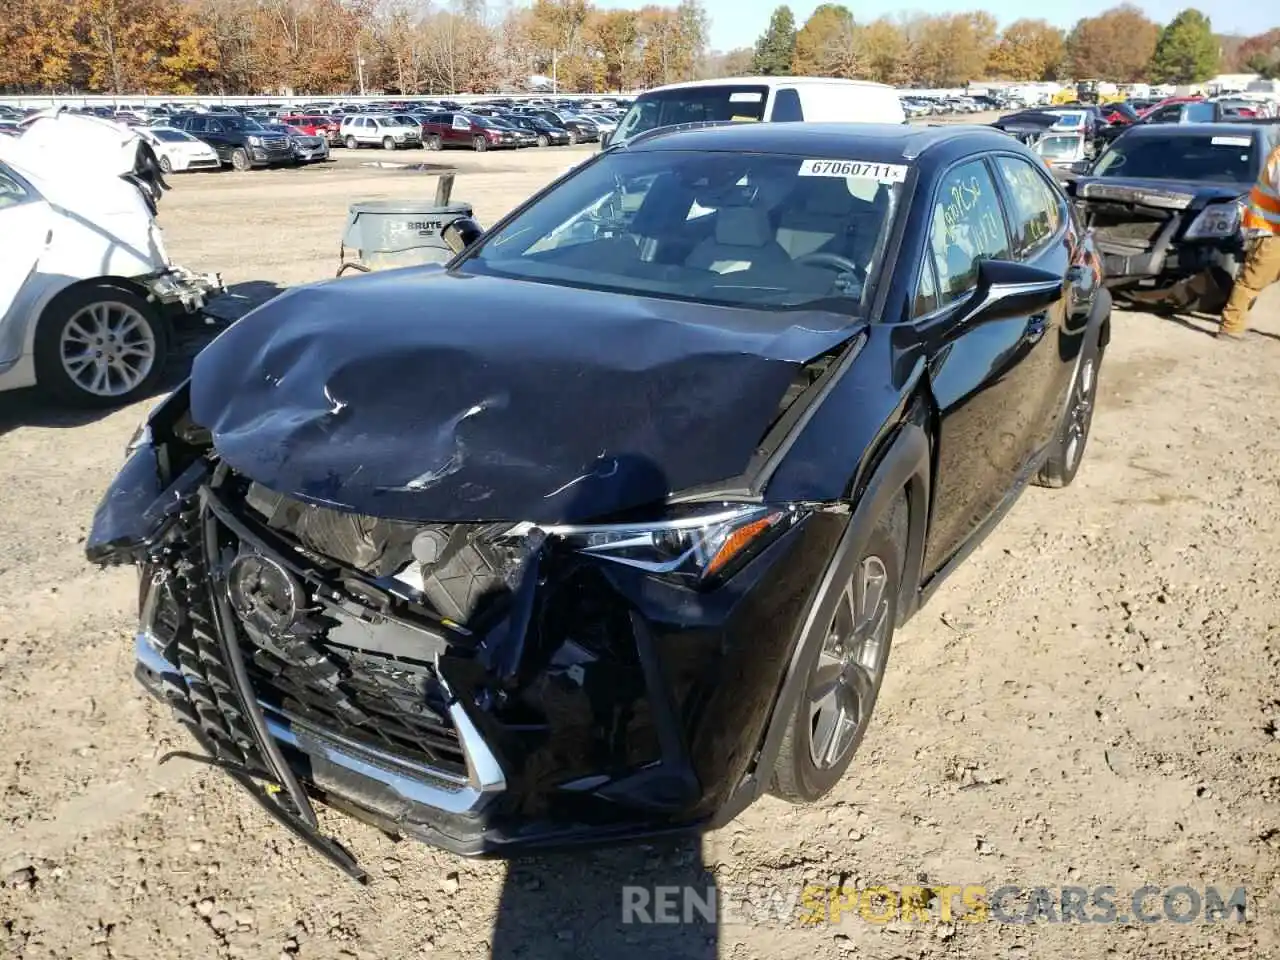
[[480, 144], [432, 143], [166, 165], [1067, 452], [843, 681], [240, 160], [388, 143], [351, 143], [100, 346], [573, 136], [544, 140]]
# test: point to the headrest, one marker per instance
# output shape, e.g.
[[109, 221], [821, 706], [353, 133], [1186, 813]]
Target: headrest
[[742, 227], [828, 195]]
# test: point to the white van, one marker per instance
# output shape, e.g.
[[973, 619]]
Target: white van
[[761, 98]]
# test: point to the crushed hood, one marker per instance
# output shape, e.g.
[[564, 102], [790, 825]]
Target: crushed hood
[[1164, 194], [423, 395]]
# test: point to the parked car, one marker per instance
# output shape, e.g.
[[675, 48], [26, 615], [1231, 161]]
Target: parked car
[[88, 295], [581, 130], [307, 148], [1164, 201], [544, 133], [239, 141], [316, 125], [495, 580], [1183, 111], [759, 98], [379, 130], [523, 137], [178, 151], [459, 129]]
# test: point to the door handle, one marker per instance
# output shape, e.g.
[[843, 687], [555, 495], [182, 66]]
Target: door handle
[[1036, 326]]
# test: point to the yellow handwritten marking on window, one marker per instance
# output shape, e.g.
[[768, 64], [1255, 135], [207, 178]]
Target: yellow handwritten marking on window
[[747, 119]]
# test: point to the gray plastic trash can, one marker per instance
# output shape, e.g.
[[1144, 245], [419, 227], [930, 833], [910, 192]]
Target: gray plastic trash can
[[382, 234]]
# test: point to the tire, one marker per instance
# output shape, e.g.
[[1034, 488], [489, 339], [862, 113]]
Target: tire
[[573, 137], [388, 143], [1067, 452], [432, 143], [480, 144], [809, 764], [166, 165], [544, 140], [352, 144], [70, 330], [240, 161]]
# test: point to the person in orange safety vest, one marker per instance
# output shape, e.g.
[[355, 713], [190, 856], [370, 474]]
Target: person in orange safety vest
[[1261, 224]]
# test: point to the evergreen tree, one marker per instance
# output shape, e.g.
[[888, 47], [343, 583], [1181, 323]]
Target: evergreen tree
[[1187, 51], [776, 47]]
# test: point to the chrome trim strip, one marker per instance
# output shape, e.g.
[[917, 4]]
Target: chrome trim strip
[[431, 788]]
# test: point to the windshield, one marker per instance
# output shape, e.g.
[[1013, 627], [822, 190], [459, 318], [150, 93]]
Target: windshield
[[1209, 159], [171, 136], [233, 122], [1061, 148], [727, 228], [692, 105]]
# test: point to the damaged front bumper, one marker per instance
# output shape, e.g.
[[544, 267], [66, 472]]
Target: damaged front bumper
[[182, 288], [596, 704]]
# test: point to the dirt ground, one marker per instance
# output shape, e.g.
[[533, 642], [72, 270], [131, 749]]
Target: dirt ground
[[1092, 700]]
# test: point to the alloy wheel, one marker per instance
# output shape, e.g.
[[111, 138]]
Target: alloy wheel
[[1080, 416], [108, 348], [844, 683]]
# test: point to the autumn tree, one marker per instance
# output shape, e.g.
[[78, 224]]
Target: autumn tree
[[1261, 54], [1116, 45], [728, 63], [1028, 50], [613, 34], [1186, 51], [828, 45], [776, 48], [952, 50], [39, 45], [886, 52]]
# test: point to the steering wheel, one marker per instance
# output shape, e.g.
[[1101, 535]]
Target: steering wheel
[[832, 260]]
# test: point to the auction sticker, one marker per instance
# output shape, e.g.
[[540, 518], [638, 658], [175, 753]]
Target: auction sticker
[[1231, 141], [857, 169]]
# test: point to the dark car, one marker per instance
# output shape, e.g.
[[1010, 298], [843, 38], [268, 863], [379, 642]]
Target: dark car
[[239, 141], [545, 134], [1186, 111], [1164, 201], [307, 148], [618, 538], [581, 130]]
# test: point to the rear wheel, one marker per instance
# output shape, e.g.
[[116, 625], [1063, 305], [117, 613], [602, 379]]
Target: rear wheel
[[480, 144], [843, 681], [100, 346], [1073, 432], [351, 143], [166, 165]]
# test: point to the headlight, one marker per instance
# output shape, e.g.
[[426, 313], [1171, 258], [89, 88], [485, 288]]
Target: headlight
[[1215, 220], [255, 141], [696, 546]]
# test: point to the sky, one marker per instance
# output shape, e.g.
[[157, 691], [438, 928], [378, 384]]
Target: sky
[[737, 23]]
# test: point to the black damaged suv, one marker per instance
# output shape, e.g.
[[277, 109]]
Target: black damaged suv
[[605, 528]]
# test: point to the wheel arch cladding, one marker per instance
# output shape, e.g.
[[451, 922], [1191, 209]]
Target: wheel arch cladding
[[902, 472]]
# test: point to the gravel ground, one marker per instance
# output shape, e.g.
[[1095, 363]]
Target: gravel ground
[[1092, 700]]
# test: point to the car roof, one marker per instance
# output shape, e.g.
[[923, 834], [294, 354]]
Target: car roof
[[766, 82], [873, 142], [1193, 130]]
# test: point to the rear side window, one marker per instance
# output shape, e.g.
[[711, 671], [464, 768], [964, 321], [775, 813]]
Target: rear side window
[[786, 106], [966, 226], [1036, 212]]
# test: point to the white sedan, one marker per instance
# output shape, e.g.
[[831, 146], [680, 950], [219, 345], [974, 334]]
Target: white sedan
[[178, 151], [87, 291]]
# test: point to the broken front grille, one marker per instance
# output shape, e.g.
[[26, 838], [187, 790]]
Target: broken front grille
[[1126, 227]]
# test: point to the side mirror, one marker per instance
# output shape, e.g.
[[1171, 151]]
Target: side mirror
[[461, 234], [1079, 168], [1007, 287], [604, 140]]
